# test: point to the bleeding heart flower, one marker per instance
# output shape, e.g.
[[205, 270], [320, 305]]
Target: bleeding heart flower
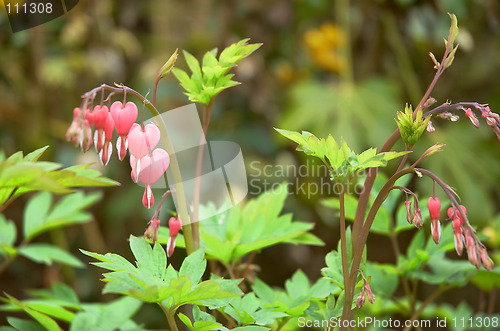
[[152, 168], [141, 142], [107, 149], [174, 225], [99, 116], [457, 225], [434, 206], [124, 117], [133, 165], [85, 136]]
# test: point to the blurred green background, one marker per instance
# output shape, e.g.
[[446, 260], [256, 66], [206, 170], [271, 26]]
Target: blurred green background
[[325, 66]]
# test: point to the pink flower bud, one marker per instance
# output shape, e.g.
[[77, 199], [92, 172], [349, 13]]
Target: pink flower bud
[[86, 136], [485, 258], [174, 225], [152, 231], [360, 300], [369, 293], [74, 131], [417, 219], [434, 206], [472, 117], [453, 213], [471, 248], [409, 213]]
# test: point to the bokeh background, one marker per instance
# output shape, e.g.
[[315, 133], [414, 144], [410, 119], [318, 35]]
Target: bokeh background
[[329, 67]]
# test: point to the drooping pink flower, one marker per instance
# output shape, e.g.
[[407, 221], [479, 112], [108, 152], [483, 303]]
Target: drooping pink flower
[[457, 225], [141, 142], [107, 148], [174, 225], [152, 168], [124, 117], [434, 206], [99, 116]]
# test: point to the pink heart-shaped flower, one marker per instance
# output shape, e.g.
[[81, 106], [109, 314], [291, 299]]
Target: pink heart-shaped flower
[[152, 167], [141, 141], [124, 116]]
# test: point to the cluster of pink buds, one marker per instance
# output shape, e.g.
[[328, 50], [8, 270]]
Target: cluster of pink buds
[[366, 293], [492, 119], [80, 130], [476, 251], [415, 219], [174, 225], [434, 206]]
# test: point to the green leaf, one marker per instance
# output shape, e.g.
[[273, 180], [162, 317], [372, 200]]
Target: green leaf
[[38, 217], [36, 211], [106, 317], [35, 155], [24, 325], [384, 279], [487, 280], [194, 265], [47, 322], [235, 232], [45, 253], [7, 232], [60, 293], [211, 79], [446, 271], [417, 243], [154, 260], [333, 269]]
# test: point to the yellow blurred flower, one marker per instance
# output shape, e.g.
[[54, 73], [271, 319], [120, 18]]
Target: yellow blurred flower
[[325, 45]]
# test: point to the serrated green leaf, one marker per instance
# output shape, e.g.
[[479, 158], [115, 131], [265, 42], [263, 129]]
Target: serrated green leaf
[[45, 253], [194, 266], [67, 211], [106, 317], [154, 260]]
